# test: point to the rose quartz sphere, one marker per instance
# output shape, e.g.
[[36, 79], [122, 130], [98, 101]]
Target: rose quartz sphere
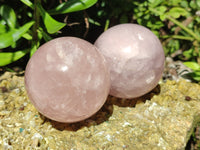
[[135, 57], [67, 79]]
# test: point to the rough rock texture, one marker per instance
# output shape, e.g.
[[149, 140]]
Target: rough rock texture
[[162, 119]]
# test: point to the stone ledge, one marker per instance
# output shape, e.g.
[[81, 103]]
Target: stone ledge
[[162, 119]]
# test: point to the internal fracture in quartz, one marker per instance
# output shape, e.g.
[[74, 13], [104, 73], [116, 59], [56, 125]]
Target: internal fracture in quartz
[[135, 57], [67, 79]]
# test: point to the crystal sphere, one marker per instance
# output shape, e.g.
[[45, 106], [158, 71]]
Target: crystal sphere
[[135, 58], [67, 79]]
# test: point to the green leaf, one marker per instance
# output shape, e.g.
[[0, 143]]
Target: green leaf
[[195, 75], [197, 78], [72, 6], [33, 49], [193, 4], [8, 14], [175, 2], [94, 22], [155, 3], [9, 57], [193, 65], [45, 35], [12, 36], [156, 25], [198, 3], [28, 3], [27, 36], [162, 17], [161, 9], [51, 24], [107, 25], [2, 28], [188, 53], [184, 4], [176, 12]]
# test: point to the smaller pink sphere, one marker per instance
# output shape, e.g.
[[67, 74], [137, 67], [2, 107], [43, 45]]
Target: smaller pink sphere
[[67, 79], [135, 57]]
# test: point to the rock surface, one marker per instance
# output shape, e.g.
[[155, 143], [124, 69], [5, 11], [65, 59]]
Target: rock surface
[[161, 120]]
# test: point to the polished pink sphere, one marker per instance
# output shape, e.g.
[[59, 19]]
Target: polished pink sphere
[[67, 79], [135, 58]]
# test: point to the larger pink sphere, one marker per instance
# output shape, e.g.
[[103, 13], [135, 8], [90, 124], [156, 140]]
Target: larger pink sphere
[[135, 57], [67, 79]]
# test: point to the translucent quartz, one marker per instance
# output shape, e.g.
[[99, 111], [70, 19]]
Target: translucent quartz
[[135, 57], [67, 79]]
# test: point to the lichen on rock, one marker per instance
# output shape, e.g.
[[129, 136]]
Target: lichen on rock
[[161, 119]]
